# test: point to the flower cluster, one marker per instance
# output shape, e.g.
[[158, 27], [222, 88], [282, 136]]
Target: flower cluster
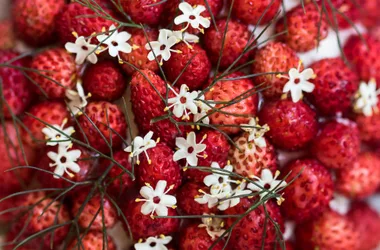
[[366, 98], [256, 132], [140, 145]]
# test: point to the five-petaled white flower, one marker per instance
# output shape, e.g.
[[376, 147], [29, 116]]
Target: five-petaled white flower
[[192, 16], [234, 199], [298, 82], [140, 145], [83, 50], [219, 181], [189, 149], [64, 161], [154, 243], [366, 98], [267, 184], [203, 109], [214, 226], [256, 132], [162, 47], [58, 134], [77, 99], [116, 42], [156, 200], [205, 198], [183, 101]]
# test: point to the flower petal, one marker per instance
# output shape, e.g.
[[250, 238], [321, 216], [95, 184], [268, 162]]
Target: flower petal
[[168, 200], [147, 207], [161, 210]]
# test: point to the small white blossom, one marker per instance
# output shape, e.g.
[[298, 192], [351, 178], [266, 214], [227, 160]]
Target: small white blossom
[[162, 47], [237, 192], [59, 135], [154, 243], [205, 198], [64, 161], [214, 226], [140, 145], [189, 149], [83, 50], [77, 99], [256, 132], [156, 200], [192, 16], [366, 98], [183, 101], [219, 181], [203, 109], [185, 37]]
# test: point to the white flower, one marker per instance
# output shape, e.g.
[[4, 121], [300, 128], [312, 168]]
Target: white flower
[[162, 47], [59, 135], [64, 160], [185, 37], [140, 145], [77, 99], [83, 50], [116, 42], [367, 98], [189, 149], [237, 192], [219, 181], [156, 200], [214, 226], [298, 82], [203, 109], [256, 132], [210, 200], [183, 101], [154, 243], [192, 16], [267, 183]]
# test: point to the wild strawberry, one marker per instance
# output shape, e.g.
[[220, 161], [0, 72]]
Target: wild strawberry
[[34, 20], [144, 11], [139, 56], [273, 57], [362, 178], [251, 12], [368, 12], [101, 121], [15, 86], [242, 92], [337, 145], [300, 21], [292, 125], [50, 112], [237, 38], [193, 237], [56, 72], [368, 127], [217, 148], [334, 78], [348, 10], [186, 199], [310, 192], [92, 240], [7, 36], [104, 81], [196, 72], [329, 231], [249, 232]]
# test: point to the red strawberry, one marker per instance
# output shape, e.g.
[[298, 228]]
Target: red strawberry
[[57, 72], [51, 112], [161, 167], [15, 86], [92, 240], [139, 57], [347, 8], [310, 192], [248, 233], [7, 36], [192, 237], [104, 81], [144, 11], [304, 27], [196, 72], [289, 246], [102, 121], [368, 127], [292, 125], [217, 148], [363, 56], [334, 78], [327, 232], [237, 38], [337, 145], [361, 178], [34, 20], [369, 12], [274, 57], [251, 12], [8, 204], [226, 90]]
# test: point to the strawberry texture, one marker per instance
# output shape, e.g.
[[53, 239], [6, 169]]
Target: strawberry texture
[[92, 240], [7, 35], [144, 11], [256, 12], [194, 238]]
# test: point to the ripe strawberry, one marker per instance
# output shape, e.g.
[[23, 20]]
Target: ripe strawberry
[[139, 57], [8, 204], [248, 233], [251, 12], [34, 20], [226, 90], [310, 192], [273, 57], [368, 127], [368, 12], [196, 72], [93, 240], [237, 38], [329, 231], [249, 159], [362, 178], [144, 11], [15, 86], [104, 81], [337, 145], [217, 148], [7, 36], [292, 125], [334, 78], [304, 27], [51, 112], [161, 167], [192, 237], [57, 72], [346, 8], [102, 121], [363, 56]]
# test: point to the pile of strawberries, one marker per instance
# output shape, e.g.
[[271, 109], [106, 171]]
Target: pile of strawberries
[[238, 144]]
